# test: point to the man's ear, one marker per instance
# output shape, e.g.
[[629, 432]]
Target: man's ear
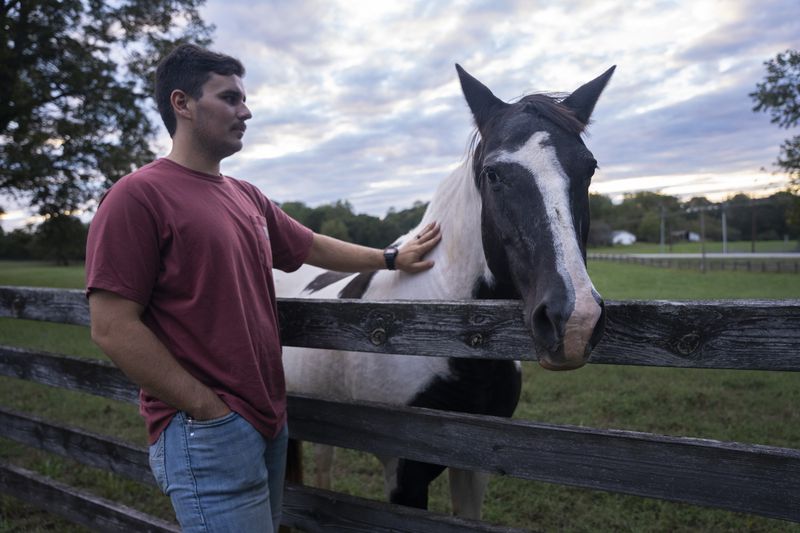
[[180, 103]]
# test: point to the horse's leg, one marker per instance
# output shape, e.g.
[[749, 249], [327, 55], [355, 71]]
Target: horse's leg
[[467, 489], [389, 474], [294, 462], [323, 465], [411, 483]]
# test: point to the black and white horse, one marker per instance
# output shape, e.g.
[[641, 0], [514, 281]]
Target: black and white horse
[[514, 219]]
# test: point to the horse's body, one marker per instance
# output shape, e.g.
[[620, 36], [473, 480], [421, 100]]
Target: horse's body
[[514, 221]]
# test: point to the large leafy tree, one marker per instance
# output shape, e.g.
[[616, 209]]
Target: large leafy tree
[[779, 95], [76, 77]]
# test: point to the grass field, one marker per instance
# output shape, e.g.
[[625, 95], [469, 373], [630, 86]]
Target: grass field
[[696, 247], [757, 407]]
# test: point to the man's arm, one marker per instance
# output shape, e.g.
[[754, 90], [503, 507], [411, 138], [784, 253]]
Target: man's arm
[[118, 330], [333, 254]]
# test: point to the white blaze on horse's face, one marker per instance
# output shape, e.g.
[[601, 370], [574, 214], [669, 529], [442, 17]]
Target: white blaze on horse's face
[[539, 158]]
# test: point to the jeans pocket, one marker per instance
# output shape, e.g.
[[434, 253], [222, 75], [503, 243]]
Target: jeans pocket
[[158, 462], [211, 422]]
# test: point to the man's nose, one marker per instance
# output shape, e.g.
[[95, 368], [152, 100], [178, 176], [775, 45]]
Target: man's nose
[[244, 113]]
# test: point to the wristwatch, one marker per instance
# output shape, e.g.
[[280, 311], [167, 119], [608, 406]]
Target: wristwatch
[[390, 255]]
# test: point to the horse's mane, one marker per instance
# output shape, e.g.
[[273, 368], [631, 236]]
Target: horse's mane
[[549, 106]]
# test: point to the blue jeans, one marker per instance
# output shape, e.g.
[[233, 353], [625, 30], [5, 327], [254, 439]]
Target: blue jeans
[[221, 475]]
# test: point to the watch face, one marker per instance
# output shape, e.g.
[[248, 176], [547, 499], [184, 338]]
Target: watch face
[[390, 254]]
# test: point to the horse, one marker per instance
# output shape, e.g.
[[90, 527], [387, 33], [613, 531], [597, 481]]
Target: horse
[[514, 218]]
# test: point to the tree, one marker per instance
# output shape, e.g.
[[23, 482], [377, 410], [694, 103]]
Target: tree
[[600, 206], [60, 238], [336, 228], [779, 95], [17, 244], [649, 228], [629, 214], [76, 78], [600, 233]]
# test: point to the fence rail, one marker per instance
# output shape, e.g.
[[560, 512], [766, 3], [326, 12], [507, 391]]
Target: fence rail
[[781, 263], [714, 334], [750, 478]]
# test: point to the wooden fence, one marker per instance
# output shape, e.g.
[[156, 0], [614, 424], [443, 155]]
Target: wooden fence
[[788, 263], [750, 478]]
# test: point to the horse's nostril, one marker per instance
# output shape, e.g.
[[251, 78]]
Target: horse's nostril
[[599, 327], [544, 329]]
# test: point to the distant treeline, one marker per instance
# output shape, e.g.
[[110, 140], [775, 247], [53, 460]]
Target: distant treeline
[[338, 220], [773, 218], [63, 238], [60, 239]]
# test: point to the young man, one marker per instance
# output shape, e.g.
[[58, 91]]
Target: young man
[[179, 280]]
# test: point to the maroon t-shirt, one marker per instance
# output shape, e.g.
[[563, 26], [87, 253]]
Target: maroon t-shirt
[[197, 251]]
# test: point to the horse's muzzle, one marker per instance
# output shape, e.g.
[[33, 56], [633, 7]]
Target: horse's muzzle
[[567, 342]]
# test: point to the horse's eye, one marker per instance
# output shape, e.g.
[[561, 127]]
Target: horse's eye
[[490, 174], [592, 168]]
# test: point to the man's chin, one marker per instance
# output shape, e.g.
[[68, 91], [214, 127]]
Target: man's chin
[[230, 149]]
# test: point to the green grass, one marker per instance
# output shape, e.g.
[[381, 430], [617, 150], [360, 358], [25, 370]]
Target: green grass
[[696, 247], [619, 281], [744, 406], [40, 274]]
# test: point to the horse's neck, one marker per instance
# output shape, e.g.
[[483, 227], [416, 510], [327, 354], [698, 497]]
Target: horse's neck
[[459, 258]]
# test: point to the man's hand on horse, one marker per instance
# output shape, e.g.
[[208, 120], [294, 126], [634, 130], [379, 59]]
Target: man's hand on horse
[[410, 255]]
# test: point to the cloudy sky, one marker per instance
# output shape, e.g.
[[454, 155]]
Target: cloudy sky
[[359, 100]]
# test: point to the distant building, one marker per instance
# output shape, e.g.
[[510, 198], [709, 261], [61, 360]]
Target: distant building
[[685, 235], [625, 238]]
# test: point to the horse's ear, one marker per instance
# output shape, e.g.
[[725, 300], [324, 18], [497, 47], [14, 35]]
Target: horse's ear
[[582, 101], [480, 99]]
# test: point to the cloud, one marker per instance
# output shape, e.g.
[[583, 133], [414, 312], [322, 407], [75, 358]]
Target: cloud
[[351, 95]]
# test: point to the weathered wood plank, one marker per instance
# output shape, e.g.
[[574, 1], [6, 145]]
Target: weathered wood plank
[[748, 478], [85, 447], [65, 306], [315, 510], [683, 334], [739, 477], [737, 334], [459, 329], [720, 334], [100, 378], [307, 508], [75, 505]]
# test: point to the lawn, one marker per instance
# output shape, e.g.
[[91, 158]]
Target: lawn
[[696, 247], [757, 407]]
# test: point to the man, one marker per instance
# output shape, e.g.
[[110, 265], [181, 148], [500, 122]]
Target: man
[[180, 289]]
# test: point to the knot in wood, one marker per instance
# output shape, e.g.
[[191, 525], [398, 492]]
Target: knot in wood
[[688, 344], [378, 336], [18, 304], [476, 340]]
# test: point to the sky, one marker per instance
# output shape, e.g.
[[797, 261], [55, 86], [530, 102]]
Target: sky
[[359, 100]]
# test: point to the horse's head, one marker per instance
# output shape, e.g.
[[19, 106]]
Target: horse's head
[[533, 173]]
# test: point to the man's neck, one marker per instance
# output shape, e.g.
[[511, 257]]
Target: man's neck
[[194, 162]]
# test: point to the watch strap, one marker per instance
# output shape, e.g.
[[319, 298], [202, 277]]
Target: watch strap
[[390, 256]]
